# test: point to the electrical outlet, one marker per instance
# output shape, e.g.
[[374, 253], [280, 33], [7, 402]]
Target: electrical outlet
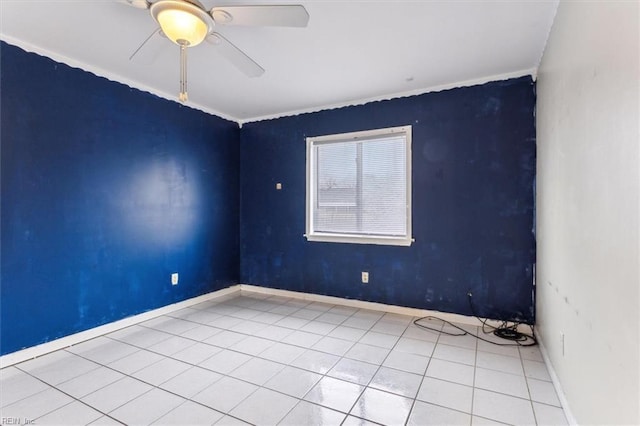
[[365, 277], [174, 278]]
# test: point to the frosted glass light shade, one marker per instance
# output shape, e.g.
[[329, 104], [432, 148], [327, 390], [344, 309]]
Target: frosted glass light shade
[[182, 22], [182, 27]]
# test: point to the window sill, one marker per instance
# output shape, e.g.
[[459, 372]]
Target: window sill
[[360, 239]]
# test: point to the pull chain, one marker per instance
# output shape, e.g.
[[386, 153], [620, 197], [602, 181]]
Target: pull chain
[[183, 73]]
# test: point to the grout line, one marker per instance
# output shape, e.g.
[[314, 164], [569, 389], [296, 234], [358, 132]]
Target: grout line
[[129, 375], [55, 387], [533, 411], [45, 348], [475, 369], [424, 375], [279, 302], [354, 342]]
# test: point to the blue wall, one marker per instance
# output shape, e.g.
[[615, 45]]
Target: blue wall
[[106, 191], [473, 204]]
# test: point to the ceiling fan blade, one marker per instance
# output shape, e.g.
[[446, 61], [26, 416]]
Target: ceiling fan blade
[[261, 16], [138, 4], [236, 56], [150, 47]]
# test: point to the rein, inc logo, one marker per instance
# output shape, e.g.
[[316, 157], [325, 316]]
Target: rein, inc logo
[[16, 421]]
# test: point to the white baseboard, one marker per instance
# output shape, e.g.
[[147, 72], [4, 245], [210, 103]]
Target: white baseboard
[[73, 339], [556, 382], [374, 306]]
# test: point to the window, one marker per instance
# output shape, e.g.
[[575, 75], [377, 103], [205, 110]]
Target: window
[[359, 187]]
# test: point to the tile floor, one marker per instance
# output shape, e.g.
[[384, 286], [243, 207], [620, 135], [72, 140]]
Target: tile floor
[[267, 360]]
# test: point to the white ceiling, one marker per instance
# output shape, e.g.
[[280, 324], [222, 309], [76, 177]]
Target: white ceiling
[[351, 51]]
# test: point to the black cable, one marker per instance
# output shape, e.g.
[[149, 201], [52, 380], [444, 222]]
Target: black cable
[[504, 330]]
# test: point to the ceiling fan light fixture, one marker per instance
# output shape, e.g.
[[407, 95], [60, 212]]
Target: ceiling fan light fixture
[[183, 23]]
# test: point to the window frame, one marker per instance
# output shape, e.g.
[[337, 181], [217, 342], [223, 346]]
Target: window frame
[[311, 197]]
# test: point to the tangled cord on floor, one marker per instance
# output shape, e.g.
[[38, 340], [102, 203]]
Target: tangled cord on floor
[[504, 330]]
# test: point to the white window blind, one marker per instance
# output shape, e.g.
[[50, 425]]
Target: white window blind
[[359, 187]]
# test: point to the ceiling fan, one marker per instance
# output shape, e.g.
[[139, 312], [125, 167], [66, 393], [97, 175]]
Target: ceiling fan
[[188, 23]]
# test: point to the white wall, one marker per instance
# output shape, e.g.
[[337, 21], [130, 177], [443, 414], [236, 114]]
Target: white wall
[[588, 185]]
